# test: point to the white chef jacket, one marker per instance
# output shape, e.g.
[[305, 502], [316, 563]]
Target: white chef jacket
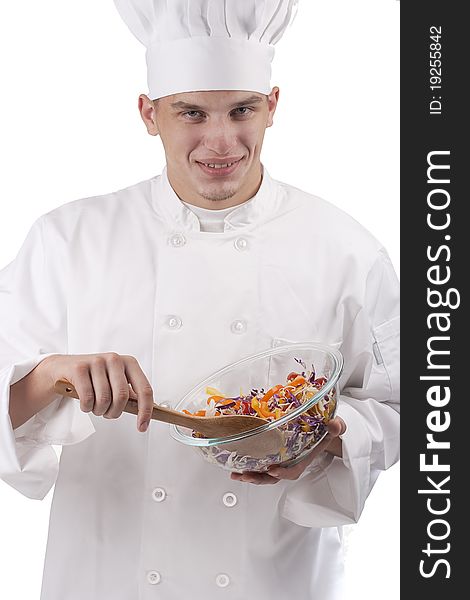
[[139, 515]]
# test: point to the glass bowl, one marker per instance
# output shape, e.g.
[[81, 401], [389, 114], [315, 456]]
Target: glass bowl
[[302, 426]]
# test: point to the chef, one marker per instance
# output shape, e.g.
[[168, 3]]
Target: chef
[[147, 290]]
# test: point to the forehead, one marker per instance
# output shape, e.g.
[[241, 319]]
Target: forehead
[[211, 100]]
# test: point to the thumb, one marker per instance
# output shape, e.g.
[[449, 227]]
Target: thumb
[[336, 427]]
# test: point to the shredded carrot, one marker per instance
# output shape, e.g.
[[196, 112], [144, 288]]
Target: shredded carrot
[[264, 410], [273, 404], [299, 380], [270, 393], [215, 398], [225, 401]]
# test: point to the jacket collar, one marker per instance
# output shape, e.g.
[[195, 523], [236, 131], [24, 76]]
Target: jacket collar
[[259, 208]]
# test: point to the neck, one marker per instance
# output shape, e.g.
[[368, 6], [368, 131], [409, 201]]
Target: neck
[[191, 195]]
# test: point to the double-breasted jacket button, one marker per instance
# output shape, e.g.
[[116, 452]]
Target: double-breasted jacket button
[[241, 243], [229, 499], [222, 580], [173, 322], [159, 494], [238, 326], [154, 577], [177, 240]]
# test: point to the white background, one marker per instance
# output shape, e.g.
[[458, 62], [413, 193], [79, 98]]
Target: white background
[[71, 74]]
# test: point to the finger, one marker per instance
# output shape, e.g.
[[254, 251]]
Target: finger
[[336, 427], [295, 471], [84, 386], [254, 477], [291, 473], [119, 386], [103, 393], [144, 392]]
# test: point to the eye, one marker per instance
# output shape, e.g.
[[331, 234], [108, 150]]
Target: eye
[[192, 115], [242, 111]]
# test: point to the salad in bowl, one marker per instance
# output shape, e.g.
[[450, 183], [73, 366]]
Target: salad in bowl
[[293, 387]]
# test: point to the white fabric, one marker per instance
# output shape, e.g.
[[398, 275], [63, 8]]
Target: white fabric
[[210, 219], [107, 274], [207, 44]]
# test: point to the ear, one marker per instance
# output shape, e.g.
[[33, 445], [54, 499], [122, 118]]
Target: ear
[[148, 113], [272, 105]]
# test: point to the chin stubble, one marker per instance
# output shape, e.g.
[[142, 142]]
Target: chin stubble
[[218, 197]]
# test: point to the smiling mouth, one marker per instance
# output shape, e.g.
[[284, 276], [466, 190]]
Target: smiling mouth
[[219, 169], [219, 166]]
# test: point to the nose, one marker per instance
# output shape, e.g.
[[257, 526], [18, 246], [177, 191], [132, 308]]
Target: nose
[[220, 137]]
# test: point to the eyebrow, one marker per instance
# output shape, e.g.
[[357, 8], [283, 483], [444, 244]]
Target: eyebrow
[[189, 106]]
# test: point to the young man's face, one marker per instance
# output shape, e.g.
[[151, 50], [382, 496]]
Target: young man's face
[[212, 142]]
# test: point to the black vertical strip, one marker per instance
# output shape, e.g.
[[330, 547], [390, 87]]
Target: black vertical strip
[[435, 268]]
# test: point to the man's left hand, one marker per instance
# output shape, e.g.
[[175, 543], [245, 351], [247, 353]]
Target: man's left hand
[[330, 443]]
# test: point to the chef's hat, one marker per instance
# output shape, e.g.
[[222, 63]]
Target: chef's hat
[[195, 45]]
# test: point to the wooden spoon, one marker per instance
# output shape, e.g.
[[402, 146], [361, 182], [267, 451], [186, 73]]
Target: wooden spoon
[[257, 446]]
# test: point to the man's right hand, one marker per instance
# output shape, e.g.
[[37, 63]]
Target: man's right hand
[[104, 383]]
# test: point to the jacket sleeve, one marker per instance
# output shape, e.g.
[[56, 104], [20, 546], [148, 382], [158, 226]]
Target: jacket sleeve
[[33, 315], [333, 490]]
